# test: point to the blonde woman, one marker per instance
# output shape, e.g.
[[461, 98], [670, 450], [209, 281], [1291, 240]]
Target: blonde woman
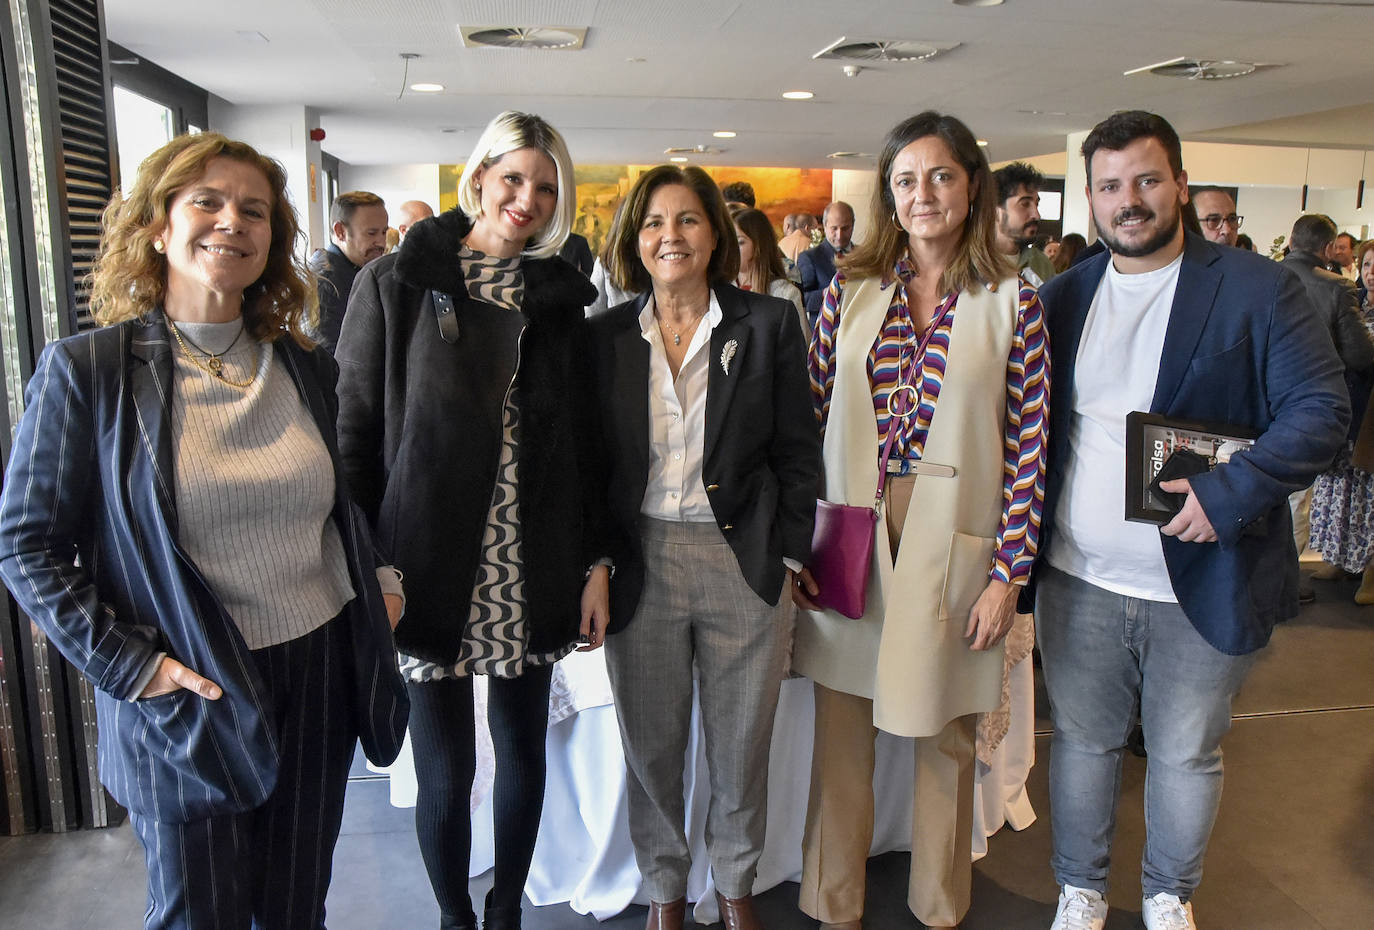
[[466, 427]]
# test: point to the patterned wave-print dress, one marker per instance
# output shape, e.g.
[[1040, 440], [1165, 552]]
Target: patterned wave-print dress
[[495, 636]]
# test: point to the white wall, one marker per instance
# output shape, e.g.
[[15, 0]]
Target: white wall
[[395, 184], [1268, 179], [1076, 215], [856, 189], [1268, 212]]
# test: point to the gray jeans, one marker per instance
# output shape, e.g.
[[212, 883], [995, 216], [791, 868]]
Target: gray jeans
[[1103, 653]]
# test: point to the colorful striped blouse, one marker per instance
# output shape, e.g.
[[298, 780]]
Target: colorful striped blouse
[[1028, 381]]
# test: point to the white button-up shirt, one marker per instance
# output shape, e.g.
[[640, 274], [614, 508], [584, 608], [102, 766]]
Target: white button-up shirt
[[677, 422]]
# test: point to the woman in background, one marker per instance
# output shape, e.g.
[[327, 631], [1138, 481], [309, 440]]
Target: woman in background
[[760, 262], [1070, 247], [467, 427], [1343, 497]]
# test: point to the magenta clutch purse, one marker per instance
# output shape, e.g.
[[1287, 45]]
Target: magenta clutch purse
[[841, 555]]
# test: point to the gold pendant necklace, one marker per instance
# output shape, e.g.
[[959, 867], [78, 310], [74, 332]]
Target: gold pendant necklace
[[214, 363]]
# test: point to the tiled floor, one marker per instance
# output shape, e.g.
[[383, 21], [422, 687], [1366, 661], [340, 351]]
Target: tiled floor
[[1293, 848]]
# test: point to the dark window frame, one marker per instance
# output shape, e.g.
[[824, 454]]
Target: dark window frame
[[189, 103]]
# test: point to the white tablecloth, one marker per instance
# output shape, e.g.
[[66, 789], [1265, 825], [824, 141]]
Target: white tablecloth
[[584, 856]]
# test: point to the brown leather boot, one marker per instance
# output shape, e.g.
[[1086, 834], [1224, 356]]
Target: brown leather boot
[[738, 913], [666, 916]]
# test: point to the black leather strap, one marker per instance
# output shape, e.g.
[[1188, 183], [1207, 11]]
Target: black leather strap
[[444, 312]]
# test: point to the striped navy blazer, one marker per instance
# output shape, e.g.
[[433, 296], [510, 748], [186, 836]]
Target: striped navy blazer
[[88, 547]]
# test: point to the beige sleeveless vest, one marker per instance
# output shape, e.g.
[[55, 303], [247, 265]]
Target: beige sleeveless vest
[[908, 653]]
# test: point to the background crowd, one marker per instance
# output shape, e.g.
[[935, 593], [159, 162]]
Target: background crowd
[[272, 509]]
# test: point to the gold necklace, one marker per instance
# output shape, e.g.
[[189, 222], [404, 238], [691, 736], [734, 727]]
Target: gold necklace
[[214, 364]]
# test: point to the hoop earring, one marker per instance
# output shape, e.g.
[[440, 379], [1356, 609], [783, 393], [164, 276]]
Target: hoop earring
[[894, 220]]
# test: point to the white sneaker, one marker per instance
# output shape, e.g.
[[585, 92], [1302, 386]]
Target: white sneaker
[[1167, 912], [1080, 909]]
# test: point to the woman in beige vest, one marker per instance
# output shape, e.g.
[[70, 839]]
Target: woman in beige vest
[[963, 497]]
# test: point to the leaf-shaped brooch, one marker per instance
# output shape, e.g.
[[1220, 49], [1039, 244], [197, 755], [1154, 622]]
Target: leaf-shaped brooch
[[727, 354]]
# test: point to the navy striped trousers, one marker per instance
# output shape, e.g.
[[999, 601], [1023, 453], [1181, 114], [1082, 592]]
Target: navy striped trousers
[[267, 868]]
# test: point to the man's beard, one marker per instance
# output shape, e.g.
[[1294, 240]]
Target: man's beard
[[1026, 235], [1162, 236]]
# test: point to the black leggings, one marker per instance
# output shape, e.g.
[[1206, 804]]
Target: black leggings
[[442, 737]]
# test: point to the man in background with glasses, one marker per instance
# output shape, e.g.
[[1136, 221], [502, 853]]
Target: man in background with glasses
[[1216, 211]]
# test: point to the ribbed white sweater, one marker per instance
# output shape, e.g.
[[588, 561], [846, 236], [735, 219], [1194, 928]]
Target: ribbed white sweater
[[254, 490]]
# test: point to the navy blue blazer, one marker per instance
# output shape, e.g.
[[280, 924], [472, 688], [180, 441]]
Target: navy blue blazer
[[88, 547], [1240, 348], [817, 268], [761, 459]]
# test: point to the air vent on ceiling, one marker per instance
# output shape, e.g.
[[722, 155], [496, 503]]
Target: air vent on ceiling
[[850, 155], [693, 150], [1364, 3], [883, 50], [543, 38], [1200, 69]]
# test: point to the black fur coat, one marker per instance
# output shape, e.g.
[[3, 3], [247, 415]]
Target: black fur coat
[[420, 422]]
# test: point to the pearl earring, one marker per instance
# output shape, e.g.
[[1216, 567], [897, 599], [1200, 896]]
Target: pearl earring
[[158, 246]]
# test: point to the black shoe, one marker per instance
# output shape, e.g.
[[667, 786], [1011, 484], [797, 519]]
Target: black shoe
[[500, 918]]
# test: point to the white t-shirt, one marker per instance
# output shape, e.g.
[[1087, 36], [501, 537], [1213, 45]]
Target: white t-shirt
[[1116, 369]]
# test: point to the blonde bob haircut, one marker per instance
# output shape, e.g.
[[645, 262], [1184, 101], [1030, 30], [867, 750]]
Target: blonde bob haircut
[[976, 259], [508, 132], [130, 277]]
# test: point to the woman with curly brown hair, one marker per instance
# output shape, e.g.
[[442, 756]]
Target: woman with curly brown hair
[[175, 521]]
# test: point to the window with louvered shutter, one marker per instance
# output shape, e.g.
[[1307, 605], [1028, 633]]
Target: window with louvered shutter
[[87, 156]]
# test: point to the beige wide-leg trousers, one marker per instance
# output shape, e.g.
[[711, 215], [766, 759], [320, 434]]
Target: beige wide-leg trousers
[[839, 815]]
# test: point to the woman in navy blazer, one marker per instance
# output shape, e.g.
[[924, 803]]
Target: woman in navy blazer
[[231, 688], [714, 460]]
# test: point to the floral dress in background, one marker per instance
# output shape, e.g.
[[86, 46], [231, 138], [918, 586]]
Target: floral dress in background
[[1343, 503]]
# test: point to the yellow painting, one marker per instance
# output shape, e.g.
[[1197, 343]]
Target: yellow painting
[[600, 188]]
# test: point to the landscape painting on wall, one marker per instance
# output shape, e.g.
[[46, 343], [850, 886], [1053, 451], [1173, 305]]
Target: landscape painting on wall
[[600, 188]]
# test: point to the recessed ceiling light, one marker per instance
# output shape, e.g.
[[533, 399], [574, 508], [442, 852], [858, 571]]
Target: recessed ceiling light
[[424, 88], [798, 95], [723, 134], [678, 158], [983, 143]]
